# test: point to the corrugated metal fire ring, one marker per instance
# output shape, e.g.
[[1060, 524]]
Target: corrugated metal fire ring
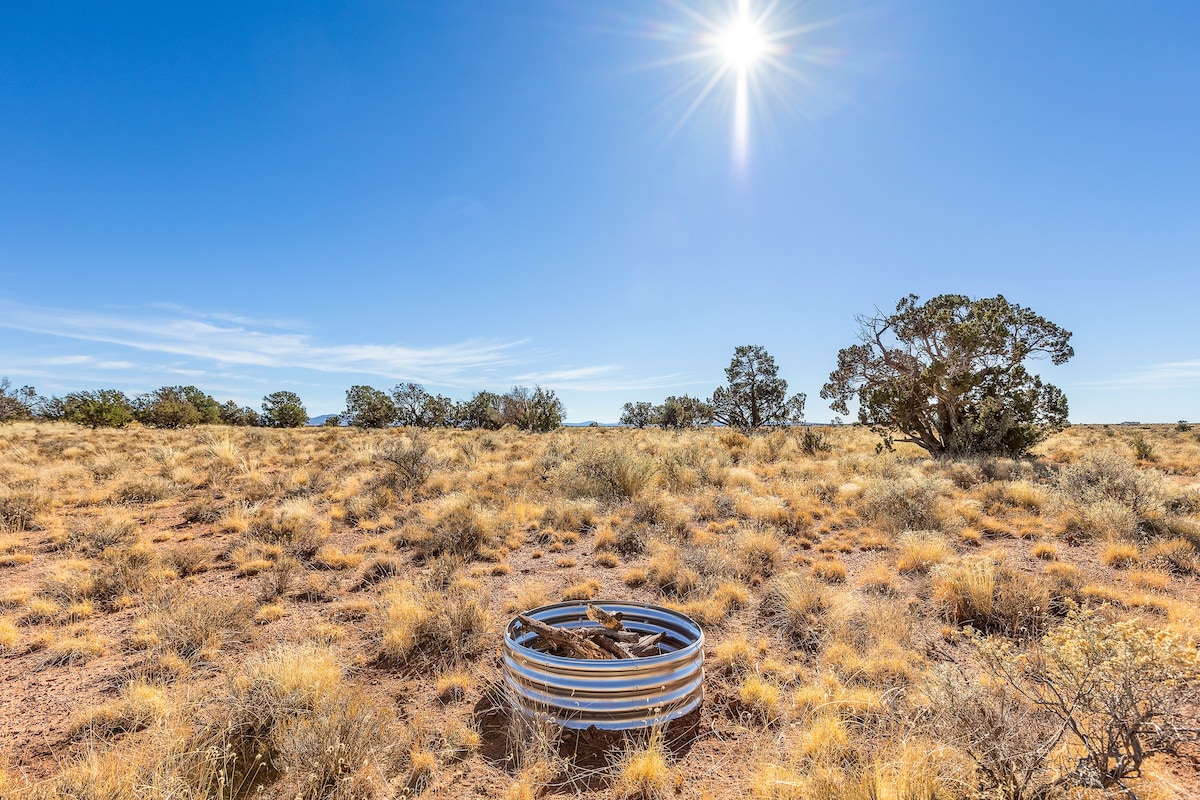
[[615, 694]]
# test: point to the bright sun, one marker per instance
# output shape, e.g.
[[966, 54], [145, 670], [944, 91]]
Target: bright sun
[[746, 56], [742, 44]]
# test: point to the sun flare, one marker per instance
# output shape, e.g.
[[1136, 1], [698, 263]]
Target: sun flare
[[746, 55], [743, 44]]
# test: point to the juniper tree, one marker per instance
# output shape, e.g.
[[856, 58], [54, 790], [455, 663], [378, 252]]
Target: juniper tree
[[755, 396], [949, 376]]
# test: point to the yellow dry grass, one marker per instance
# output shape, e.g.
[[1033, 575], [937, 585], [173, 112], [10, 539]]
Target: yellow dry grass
[[829, 583]]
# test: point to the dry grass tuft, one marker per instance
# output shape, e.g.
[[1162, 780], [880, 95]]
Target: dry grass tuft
[[139, 706], [459, 530], [1120, 555], [527, 597], [289, 717], [975, 592], [428, 624], [760, 700], [1177, 556], [269, 613], [796, 606], [329, 557], [8, 636], [582, 591], [452, 687], [829, 570], [644, 771], [76, 645], [921, 551], [195, 629], [113, 528], [1046, 551]]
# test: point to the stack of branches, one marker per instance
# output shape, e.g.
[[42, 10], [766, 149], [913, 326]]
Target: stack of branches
[[606, 640]]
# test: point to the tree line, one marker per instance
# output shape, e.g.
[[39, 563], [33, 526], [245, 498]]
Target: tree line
[[534, 409], [947, 375], [409, 404]]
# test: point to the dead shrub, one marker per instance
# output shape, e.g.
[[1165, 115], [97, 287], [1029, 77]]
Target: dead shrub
[[410, 464], [112, 529], [196, 628], [18, 509], [1117, 692], [1104, 476], [904, 504], [458, 530], [608, 473]]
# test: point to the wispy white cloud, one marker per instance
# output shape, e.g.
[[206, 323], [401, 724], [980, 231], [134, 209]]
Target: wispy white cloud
[[230, 343], [238, 341], [87, 361], [1168, 375], [175, 308]]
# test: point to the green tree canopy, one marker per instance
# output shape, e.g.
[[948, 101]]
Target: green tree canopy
[[231, 413], [949, 376], [481, 411], [177, 407], [638, 415], [532, 410], [368, 407], [208, 408], [409, 400], [105, 408], [284, 410], [440, 411], [681, 412], [755, 396]]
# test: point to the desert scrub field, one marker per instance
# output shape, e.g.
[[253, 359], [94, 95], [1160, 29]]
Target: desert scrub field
[[314, 613]]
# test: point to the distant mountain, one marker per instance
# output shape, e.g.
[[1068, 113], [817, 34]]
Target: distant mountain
[[321, 419], [589, 423]]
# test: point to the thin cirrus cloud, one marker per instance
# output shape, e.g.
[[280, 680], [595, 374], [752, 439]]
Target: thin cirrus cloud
[[1168, 375], [87, 361], [231, 340]]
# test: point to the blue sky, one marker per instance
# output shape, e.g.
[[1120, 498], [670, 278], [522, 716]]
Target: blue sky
[[304, 196]]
